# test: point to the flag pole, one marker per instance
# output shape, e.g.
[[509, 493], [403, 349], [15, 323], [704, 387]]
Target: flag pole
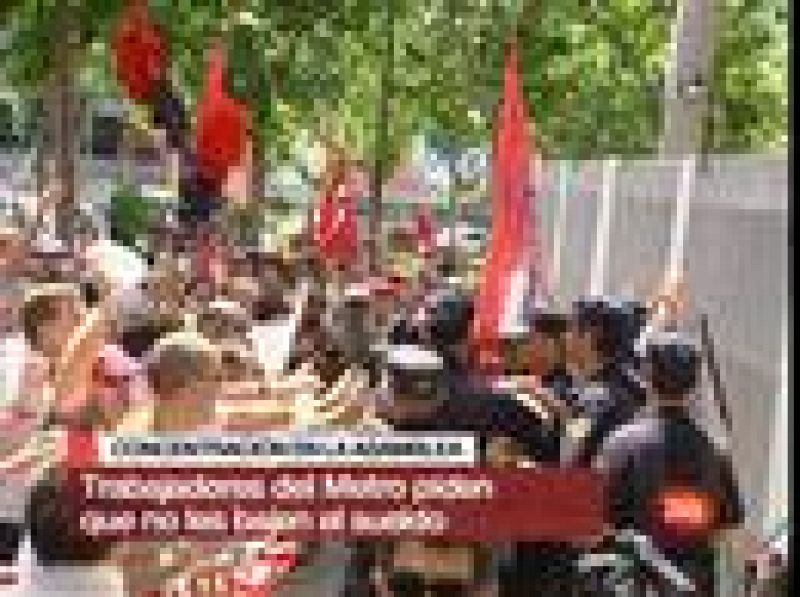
[[680, 223], [597, 283]]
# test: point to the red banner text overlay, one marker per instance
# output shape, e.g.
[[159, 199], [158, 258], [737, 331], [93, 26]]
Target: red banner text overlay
[[466, 503]]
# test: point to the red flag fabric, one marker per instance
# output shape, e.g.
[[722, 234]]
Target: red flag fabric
[[336, 225], [511, 237], [80, 447], [424, 231], [138, 52], [221, 124]]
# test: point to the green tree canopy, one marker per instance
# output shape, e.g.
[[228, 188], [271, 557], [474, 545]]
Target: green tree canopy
[[593, 71], [750, 90]]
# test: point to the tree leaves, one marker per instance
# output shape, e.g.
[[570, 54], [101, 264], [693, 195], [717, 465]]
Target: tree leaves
[[593, 71], [750, 80]]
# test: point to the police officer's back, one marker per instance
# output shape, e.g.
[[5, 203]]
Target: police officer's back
[[667, 478]]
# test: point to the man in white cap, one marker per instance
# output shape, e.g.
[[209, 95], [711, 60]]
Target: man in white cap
[[423, 395]]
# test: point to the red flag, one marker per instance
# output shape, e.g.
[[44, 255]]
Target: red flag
[[80, 447], [424, 231], [336, 224], [221, 124], [138, 52], [509, 258]]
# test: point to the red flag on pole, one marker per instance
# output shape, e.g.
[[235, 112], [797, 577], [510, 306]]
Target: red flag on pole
[[504, 279], [221, 124], [138, 52], [336, 224]]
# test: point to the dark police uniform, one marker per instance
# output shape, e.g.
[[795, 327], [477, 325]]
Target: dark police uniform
[[10, 540], [662, 456], [609, 398], [661, 452], [614, 394], [463, 405]]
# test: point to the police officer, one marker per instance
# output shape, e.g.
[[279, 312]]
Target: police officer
[[545, 568], [438, 320], [427, 395], [448, 326], [582, 359], [600, 354], [430, 390], [668, 480], [548, 357], [418, 399]]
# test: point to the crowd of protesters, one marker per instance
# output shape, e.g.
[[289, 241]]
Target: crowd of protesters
[[197, 334]]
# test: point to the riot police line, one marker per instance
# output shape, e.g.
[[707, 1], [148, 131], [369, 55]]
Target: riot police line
[[583, 386]]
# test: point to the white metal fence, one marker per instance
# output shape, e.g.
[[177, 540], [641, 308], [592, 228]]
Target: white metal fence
[[736, 268]]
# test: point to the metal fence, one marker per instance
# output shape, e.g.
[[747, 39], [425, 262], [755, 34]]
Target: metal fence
[[736, 268]]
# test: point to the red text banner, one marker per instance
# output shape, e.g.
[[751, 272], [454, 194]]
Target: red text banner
[[481, 504]]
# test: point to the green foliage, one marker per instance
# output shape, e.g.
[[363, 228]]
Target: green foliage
[[44, 32], [594, 77], [130, 217], [750, 89], [592, 71]]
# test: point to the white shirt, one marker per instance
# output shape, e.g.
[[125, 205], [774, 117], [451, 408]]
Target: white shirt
[[24, 448], [14, 353], [273, 341], [118, 264]]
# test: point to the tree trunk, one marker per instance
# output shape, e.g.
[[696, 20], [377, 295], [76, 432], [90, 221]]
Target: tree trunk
[[688, 77], [381, 146], [61, 127], [258, 184]]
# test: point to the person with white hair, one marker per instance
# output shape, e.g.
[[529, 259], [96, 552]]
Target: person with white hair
[[184, 372]]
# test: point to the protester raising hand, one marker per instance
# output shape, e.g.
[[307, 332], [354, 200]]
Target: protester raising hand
[[116, 272], [669, 302]]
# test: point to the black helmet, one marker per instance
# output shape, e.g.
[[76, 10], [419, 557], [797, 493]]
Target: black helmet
[[673, 364], [549, 321], [616, 323], [450, 319]]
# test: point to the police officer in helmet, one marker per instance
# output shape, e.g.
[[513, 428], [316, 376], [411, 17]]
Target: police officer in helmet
[[600, 354]]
